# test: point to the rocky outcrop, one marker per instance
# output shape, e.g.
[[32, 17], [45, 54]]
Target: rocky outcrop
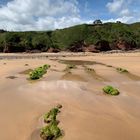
[[77, 46], [123, 45], [53, 50], [91, 48], [33, 51], [102, 46], [81, 46]]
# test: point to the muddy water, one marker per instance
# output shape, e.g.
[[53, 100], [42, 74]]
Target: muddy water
[[79, 62], [87, 113]]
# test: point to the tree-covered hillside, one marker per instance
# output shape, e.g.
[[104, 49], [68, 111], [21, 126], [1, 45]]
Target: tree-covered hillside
[[114, 35]]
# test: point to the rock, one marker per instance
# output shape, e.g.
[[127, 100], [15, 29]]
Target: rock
[[53, 50], [77, 46], [102, 46], [123, 45], [91, 48], [59, 106], [81, 46], [33, 51]]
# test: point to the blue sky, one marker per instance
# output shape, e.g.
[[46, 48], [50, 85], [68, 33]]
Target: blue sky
[[51, 14]]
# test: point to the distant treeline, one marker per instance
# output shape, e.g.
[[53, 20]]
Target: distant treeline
[[64, 38]]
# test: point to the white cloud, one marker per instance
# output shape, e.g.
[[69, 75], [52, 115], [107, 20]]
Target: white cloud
[[123, 11], [122, 19], [115, 5], [39, 14], [119, 7]]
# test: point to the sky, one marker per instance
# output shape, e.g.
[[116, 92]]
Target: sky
[[30, 15]]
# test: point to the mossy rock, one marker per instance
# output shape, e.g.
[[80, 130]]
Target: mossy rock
[[89, 69], [111, 90], [38, 72], [50, 132], [121, 70], [70, 66], [59, 106], [51, 115]]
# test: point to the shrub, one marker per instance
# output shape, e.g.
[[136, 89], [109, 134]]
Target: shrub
[[38, 72], [121, 70], [111, 90]]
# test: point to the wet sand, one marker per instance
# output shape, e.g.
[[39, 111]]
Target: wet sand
[[87, 113]]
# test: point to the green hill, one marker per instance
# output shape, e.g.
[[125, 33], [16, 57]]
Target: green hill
[[62, 39]]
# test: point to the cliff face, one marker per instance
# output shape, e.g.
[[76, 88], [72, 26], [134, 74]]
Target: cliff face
[[93, 38]]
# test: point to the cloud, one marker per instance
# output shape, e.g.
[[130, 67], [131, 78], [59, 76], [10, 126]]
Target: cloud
[[119, 7], [123, 10], [39, 14], [122, 19], [115, 5]]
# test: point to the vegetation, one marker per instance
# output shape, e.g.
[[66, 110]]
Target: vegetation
[[62, 39], [51, 115], [98, 21], [51, 131], [38, 72], [69, 67], [111, 90], [121, 70]]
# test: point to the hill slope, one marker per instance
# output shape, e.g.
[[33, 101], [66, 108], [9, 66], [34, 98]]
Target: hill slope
[[84, 37]]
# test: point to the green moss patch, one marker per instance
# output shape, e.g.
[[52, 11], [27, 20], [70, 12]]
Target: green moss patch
[[52, 130], [51, 115], [38, 72], [111, 90]]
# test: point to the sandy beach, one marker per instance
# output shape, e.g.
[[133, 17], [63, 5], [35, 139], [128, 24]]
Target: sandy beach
[[87, 113]]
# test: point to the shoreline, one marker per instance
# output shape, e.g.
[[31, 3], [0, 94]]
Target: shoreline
[[63, 54]]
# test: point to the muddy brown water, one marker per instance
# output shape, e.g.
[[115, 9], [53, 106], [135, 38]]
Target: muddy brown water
[[87, 113], [80, 62], [93, 73]]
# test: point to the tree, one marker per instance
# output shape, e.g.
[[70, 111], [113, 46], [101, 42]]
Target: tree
[[97, 22], [12, 41], [41, 42]]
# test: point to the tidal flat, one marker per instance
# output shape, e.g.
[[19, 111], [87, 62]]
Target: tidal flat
[[87, 113]]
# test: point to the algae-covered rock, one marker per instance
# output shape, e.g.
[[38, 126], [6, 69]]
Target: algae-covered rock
[[50, 132], [38, 72], [51, 115], [111, 90], [121, 70]]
